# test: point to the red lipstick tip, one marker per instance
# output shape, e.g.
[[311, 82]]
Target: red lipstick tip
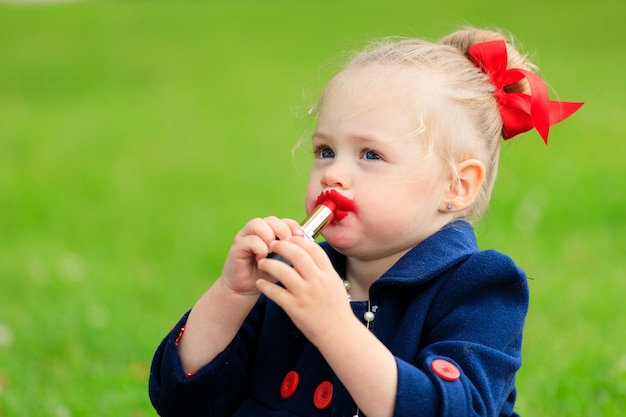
[[330, 204]]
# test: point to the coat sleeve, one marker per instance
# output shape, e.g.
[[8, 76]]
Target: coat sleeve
[[216, 389], [471, 345]]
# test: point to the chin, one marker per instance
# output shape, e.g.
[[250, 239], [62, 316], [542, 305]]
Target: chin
[[342, 243]]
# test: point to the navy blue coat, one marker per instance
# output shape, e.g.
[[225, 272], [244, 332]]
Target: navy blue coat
[[452, 315]]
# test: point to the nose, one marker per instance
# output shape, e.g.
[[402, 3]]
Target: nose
[[335, 176]]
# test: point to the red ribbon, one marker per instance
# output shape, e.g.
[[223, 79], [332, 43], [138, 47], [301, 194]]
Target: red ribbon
[[520, 112]]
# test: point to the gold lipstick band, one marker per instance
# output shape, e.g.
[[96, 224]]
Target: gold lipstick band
[[314, 223]]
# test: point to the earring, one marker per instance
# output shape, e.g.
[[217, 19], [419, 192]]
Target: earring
[[449, 206]]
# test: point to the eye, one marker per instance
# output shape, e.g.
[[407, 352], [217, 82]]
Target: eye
[[324, 152], [369, 154]]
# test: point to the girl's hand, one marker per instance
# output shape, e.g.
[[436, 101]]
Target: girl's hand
[[251, 244], [313, 296]]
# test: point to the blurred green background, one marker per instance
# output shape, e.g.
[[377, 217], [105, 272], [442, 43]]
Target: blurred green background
[[136, 138]]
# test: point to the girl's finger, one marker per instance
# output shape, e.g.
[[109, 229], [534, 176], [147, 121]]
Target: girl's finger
[[314, 253], [272, 291], [296, 229], [280, 228], [258, 227], [276, 268], [291, 250], [320, 257]]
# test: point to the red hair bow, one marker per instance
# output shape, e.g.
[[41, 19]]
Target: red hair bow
[[520, 112]]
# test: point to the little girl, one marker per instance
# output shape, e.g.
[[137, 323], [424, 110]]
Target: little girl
[[397, 313]]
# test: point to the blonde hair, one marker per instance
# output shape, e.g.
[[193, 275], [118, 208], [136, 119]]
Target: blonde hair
[[471, 125]]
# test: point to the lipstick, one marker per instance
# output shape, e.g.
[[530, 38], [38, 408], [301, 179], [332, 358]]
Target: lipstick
[[313, 224], [343, 205]]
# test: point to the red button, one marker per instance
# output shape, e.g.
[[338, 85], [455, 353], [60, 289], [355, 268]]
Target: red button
[[445, 370], [289, 385], [323, 395]]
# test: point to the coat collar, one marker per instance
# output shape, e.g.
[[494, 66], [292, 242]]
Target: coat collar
[[440, 251]]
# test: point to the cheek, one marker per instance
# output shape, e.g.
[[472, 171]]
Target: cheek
[[387, 205], [311, 196]]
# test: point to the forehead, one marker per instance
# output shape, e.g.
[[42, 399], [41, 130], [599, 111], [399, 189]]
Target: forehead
[[376, 82], [377, 98]]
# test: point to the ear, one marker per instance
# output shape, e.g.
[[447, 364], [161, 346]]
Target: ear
[[464, 188]]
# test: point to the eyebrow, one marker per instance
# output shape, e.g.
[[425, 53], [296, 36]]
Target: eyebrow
[[352, 137]]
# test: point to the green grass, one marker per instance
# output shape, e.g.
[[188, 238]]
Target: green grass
[[136, 139]]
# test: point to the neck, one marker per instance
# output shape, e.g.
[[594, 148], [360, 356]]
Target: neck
[[362, 273]]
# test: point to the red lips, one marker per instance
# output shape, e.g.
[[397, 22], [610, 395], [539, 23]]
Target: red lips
[[344, 204]]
